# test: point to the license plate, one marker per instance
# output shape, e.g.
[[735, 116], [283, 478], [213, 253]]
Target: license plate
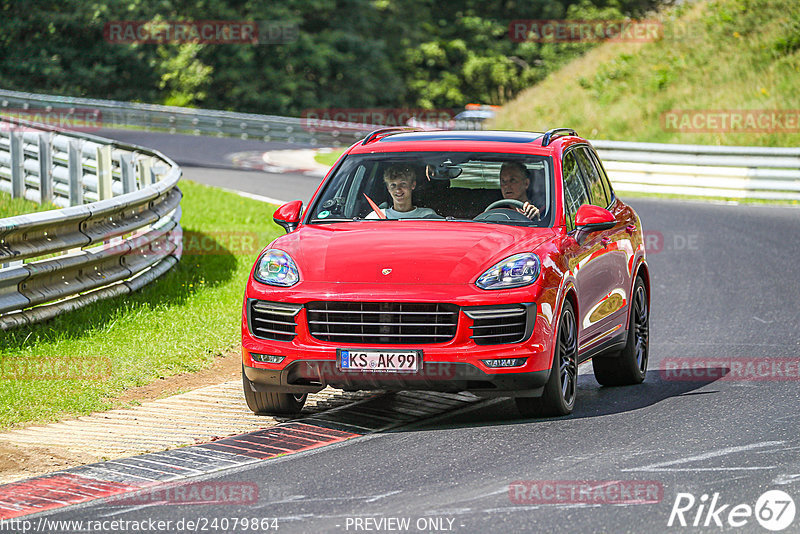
[[385, 361]]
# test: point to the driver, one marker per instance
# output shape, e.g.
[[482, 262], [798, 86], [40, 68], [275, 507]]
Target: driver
[[514, 184], [401, 180]]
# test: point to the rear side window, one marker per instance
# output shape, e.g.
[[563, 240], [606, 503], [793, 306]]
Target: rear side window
[[575, 194], [597, 190], [603, 175]]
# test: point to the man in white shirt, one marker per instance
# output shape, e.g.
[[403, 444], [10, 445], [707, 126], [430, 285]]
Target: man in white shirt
[[514, 184], [401, 180]]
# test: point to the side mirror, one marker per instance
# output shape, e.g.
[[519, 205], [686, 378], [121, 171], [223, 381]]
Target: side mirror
[[288, 215], [593, 219]]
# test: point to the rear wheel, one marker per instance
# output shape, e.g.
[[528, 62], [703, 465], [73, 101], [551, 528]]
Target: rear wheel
[[271, 403], [562, 386], [630, 366]]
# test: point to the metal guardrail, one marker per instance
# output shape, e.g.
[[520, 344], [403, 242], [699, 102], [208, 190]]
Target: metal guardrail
[[769, 173], [118, 228], [172, 119], [694, 170]]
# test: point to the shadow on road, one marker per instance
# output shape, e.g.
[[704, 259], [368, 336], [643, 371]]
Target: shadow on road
[[593, 401]]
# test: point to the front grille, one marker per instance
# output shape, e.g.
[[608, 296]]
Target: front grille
[[391, 323], [273, 320], [496, 325]]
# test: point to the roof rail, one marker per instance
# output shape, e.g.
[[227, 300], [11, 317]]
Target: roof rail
[[383, 132], [551, 135]]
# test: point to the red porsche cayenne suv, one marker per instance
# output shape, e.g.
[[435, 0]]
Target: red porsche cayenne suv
[[485, 261]]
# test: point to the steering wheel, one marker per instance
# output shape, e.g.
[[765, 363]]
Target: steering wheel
[[504, 202]]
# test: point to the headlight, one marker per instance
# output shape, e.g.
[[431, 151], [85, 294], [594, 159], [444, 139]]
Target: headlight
[[276, 268], [515, 271]]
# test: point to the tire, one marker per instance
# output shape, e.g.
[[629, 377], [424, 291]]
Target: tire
[[261, 403], [630, 366], [561, 388]]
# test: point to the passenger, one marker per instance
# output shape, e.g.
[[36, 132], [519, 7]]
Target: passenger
[[401, 180], [514, 183]]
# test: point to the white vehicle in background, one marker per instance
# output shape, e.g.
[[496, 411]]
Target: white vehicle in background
[[472, 118]]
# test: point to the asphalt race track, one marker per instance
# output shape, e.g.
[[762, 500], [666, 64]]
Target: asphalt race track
[[206, 160], [724, 286]]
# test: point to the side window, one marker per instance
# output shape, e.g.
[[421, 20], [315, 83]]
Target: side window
[[603, 175], [352, 198], [574, 189], [597, 192]]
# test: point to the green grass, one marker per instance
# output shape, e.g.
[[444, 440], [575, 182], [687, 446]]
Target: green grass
[[9, 207], [328, 156], [715, 55], [177, 324]]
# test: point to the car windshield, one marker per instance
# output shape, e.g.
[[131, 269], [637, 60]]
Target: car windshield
[[438, 186]]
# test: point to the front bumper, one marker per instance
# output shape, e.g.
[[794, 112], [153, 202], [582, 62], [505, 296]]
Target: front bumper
[[310, 363], [310, 376]]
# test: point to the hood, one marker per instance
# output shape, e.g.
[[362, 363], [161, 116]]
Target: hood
[[415, 252]]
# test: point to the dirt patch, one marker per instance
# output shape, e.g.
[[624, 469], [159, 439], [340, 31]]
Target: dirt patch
[[225, 368], [17, 463]]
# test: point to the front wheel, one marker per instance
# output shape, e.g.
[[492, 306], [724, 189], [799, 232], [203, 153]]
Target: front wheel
[[271, 403], [630, 366], [562, 385]]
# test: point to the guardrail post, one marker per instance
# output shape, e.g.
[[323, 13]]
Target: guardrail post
[[128, 172], [143, 168], [17, 160], [75, 168], [45, 168], [103, 172]]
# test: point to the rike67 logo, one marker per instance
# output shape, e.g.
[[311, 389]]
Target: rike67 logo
[[774, 510]]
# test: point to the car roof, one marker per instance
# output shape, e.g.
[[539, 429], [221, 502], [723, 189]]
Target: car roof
[[409, 140]]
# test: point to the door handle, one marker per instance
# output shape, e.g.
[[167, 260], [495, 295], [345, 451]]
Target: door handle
[[605, 241], [631, 228]]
